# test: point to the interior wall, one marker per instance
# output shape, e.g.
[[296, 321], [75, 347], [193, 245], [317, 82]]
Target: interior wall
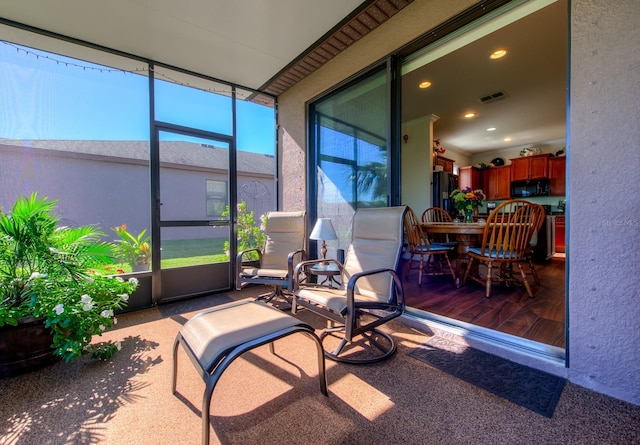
[[603, 223], [416, 164]]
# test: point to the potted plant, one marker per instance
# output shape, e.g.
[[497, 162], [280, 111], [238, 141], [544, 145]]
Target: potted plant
[[133, 249], [48, 282]]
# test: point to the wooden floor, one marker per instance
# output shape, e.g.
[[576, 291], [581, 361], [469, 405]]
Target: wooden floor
[[508, 310]]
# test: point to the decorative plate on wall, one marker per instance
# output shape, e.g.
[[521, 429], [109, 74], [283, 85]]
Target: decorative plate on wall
[[498, 162]]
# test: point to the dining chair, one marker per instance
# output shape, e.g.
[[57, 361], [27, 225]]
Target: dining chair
[[283, 249], [533, 242], [428, 255], [438, 215], [371, 292], [505, 241]]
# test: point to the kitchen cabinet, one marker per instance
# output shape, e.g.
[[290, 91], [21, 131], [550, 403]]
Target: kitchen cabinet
[[496, 182], [526, 168], [557, 169], [469, 177], [560, 243], [447, 164]]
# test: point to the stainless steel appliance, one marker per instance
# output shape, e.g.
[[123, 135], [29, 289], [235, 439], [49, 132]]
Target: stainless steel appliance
[[546, 245], [443, 184], [526, 189]]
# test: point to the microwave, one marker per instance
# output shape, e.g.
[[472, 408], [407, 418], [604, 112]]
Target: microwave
[[526, 189]]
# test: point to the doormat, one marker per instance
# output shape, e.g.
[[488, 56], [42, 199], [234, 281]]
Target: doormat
[[530, 388]]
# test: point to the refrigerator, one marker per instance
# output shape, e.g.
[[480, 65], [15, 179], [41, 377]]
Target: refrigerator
[[443, 184]]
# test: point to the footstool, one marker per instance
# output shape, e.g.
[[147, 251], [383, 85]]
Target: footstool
[[213, 339]]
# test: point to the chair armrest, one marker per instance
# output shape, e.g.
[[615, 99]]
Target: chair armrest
[[396, 289], [239, 259], [290, 267]]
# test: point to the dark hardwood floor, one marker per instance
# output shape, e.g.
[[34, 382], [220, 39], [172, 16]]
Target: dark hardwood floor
[[508, 310]]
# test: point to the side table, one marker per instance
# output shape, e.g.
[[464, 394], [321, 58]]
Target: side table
[[328, 271]]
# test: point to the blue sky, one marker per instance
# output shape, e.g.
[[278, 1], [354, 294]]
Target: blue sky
[[48, 96]]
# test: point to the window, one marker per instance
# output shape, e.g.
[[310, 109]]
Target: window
[[216, 197]]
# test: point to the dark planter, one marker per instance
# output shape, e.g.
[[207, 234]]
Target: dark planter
[[25, 347]]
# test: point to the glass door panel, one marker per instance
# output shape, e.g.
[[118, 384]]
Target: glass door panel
[[195, 227]]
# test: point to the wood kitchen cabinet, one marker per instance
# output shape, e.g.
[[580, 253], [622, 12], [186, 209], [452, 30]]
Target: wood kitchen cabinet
[[496, 182], [530, 167], [557, 169], [560, 242], [447, 164], [469, 177]]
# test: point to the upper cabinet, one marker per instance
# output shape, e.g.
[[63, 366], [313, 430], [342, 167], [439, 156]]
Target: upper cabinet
[[469, 177], [496, 182], [447, 164], [557, 169], [530, 167]]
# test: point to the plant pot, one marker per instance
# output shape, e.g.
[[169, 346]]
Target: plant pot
[[25, 347], [140, 267]]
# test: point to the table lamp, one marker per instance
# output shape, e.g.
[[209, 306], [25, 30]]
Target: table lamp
[[323, 230]]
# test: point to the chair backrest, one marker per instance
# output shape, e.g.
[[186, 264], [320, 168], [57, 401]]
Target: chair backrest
[[285, 232], [436, 214], [376, 243], [414, 235], [536, 233], [509, 228]]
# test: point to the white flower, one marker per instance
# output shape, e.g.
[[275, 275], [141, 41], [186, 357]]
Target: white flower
[[124, 297], [35, 275], [115, 320], [59, 309], [102, 327], [133, 280], [119, 279], [118, 346], [107, 313], [89, 280], [86, 299], [87, 307]]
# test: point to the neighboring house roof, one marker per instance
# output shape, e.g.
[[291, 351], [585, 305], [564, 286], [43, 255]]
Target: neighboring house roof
[[176, 153]]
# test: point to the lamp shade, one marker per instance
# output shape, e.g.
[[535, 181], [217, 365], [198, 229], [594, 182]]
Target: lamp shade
[[323, 230]]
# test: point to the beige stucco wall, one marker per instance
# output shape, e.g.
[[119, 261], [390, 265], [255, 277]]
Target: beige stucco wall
[[604, 160]]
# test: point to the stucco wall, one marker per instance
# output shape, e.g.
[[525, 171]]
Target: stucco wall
[[411, 22], [604, 213], [603, 139]]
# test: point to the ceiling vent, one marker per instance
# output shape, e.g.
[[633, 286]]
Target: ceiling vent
[[498, 95]]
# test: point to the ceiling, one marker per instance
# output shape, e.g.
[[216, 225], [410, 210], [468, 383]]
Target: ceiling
[[273, 44], [532, 77]]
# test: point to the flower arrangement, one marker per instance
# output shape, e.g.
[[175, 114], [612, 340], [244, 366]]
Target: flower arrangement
[[437, 148], [46, 273], [467, 199], [132, 249]]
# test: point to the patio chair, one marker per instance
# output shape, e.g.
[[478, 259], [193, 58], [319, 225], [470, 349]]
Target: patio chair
[[371, 293], [284, 247], [505, 241]]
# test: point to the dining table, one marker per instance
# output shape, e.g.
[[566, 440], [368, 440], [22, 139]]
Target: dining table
[[466, 235]]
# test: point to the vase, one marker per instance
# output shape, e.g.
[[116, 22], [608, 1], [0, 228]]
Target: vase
[[468, 215]]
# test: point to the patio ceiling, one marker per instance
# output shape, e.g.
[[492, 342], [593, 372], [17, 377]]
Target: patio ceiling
[[268, 45]]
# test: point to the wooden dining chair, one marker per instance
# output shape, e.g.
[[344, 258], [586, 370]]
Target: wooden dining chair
[[505, 241], [438, 215], [428, 255], [533, 242]]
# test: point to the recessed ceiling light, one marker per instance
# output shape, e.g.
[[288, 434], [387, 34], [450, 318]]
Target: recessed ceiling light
[[491, 129], [470, 115], [498, 54], [425, 84], [507, 139]]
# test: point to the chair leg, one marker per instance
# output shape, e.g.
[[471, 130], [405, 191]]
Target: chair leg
[[466, 272], [534, 272], [487, 293], [525, 282], [420, 270], [453, 273]]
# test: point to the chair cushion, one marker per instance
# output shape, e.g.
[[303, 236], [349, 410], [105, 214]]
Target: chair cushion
[[249, 272], [212, 333], [502, 254], [285, 233], [332, 298]]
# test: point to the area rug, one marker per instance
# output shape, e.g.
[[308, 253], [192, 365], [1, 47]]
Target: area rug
[[527, 387]]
